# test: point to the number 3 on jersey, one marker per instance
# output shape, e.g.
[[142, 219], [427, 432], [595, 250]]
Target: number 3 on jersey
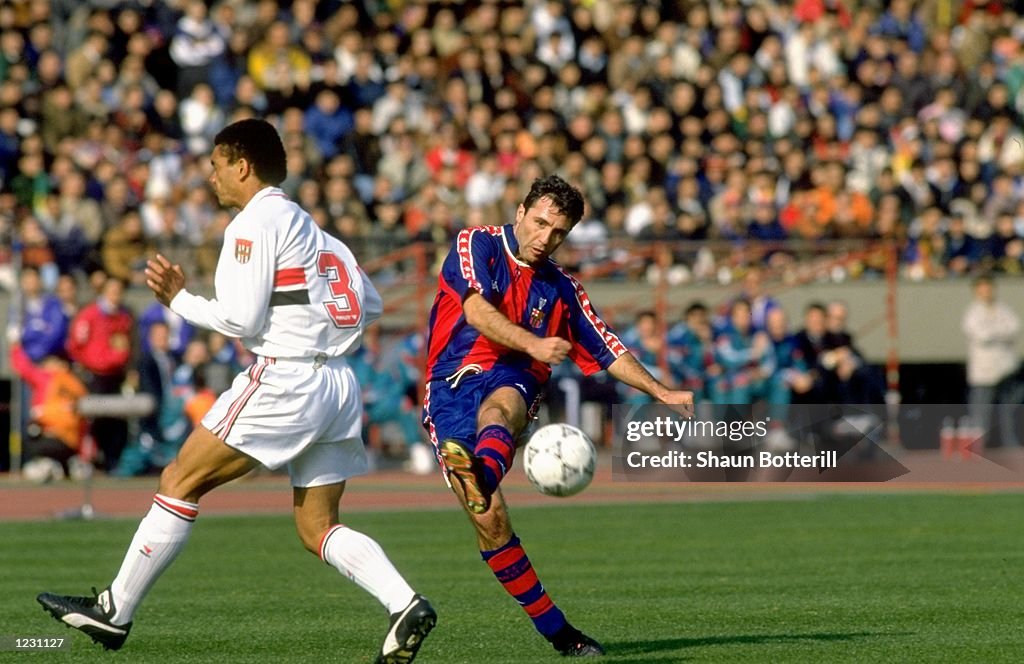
[[344, 309]]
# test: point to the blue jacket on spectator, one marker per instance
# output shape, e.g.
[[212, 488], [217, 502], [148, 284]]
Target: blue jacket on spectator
[[44, 328], [328, 130], [180, 330]]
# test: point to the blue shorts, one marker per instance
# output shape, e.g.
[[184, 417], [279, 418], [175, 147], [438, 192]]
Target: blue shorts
[[450, 414]]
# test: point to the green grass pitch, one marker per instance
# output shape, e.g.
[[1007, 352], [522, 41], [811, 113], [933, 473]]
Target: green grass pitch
[[854, 578]]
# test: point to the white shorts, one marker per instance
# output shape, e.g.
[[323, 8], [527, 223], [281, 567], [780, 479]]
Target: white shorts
[[284, 411]]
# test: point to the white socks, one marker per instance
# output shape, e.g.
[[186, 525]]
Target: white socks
[[361, 559], [159, 539], [163, 532]]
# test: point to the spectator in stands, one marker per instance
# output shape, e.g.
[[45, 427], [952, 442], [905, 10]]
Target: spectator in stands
[[82, 62], [55, 428], [42, 324], [224, 363], [155, 368], [992, 329], [691, 352], [125, 249], [327, 121], [961, 252], [72, 223], [790, 366], [179, 331], [196, 43], [29, 181], [282, 70], [848, 377], [862, 126], [100, 341], [67, 293], [810, 342], [200, 118], [759, 302], [648, 345], [1006, 246], [747, 361]]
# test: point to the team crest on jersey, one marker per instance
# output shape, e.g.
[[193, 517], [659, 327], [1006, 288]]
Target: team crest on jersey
[[536, 317], [537, 313], [243, 250]]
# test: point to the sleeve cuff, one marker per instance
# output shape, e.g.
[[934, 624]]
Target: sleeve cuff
[[180, 302]]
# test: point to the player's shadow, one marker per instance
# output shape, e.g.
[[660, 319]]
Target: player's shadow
[[628, 648]]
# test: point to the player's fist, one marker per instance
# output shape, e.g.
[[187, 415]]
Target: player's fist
[[550, 350], [681, 401]]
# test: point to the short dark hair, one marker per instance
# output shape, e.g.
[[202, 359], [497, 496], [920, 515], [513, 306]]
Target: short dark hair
[[695, 307], [566, 198], [815, 306], [257, 142]]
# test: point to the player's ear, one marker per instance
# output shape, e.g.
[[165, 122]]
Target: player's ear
[[245, 168], [520, 213]]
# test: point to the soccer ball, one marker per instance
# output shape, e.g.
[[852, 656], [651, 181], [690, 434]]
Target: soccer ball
[[560, 460]]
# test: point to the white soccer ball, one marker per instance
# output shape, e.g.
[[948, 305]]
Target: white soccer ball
[[559, 460]]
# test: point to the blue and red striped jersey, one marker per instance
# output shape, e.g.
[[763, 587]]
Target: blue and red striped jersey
[[545, 300]]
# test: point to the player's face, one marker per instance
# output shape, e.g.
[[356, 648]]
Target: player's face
[[225, 178], [540, 230]]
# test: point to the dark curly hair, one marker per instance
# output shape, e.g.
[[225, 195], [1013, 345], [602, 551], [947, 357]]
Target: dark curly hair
[[257, 142], [566, 198]]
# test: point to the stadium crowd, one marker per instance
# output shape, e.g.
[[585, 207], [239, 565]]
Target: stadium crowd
[[705, 129], [745, 122]]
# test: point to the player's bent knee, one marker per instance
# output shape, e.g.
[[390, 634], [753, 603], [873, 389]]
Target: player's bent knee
[[311, 531], [170, 480], [310, 539]]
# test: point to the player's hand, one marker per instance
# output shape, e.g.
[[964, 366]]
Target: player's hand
[[164, 279], [681, 401], [550, 350]]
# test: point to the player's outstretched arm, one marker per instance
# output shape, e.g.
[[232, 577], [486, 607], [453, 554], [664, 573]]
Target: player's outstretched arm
[[496, 326], [627, 369]]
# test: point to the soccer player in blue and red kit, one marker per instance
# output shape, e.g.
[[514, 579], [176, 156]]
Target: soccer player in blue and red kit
[[504, 313]]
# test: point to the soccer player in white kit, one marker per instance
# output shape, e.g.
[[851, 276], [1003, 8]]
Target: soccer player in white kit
[[298, 300]]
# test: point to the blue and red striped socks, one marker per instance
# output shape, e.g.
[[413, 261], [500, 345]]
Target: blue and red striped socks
[[495, 446], [514, 571]]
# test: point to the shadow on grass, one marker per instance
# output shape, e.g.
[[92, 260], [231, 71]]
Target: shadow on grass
[[626, 648]]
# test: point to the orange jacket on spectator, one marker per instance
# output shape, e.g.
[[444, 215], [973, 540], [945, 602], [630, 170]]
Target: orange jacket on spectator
[[55, 395], [826, 203], [199, 405], [100, 341]]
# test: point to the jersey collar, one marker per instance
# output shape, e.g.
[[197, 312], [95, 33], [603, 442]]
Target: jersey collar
[[512, 245], [263, 193]]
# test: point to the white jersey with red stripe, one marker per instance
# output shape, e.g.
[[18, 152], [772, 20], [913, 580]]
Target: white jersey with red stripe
[[283, 286]]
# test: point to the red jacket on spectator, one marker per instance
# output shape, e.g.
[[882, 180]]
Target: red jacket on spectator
[[809, 11], [460, 160], [101, 341]]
